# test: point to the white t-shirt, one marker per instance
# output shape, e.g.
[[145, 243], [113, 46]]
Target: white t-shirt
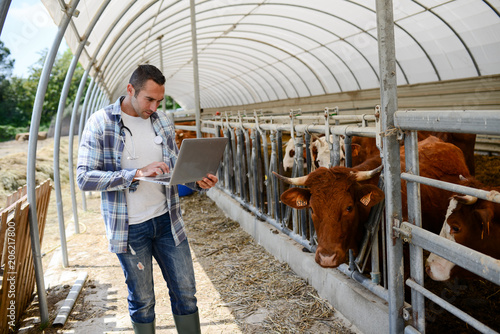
[[149, 200]]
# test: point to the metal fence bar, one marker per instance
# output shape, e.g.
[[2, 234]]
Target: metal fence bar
[[475, 262], [415, 217], [364, 281], [493, 196], [391, 160], [449, 307], [476, 121]]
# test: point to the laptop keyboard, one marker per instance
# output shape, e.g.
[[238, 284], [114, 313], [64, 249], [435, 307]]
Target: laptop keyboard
[[163, 177]]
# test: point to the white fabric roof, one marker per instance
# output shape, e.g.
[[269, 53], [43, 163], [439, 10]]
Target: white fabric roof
[[265, 50]]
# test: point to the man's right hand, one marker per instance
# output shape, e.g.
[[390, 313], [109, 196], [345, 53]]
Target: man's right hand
[[153, 169]]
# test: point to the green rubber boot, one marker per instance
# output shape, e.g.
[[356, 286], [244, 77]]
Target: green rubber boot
[[147, 328], [188, 324]]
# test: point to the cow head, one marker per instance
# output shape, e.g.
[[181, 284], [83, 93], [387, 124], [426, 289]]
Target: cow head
[[289, 155], [340, 204], [321, 152], [469, 222]]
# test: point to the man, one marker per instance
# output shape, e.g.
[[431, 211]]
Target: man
[[124, 141]]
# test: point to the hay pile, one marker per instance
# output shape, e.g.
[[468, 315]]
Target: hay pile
[[13, 167]]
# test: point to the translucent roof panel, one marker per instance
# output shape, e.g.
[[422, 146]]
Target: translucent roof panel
[[267, 50]]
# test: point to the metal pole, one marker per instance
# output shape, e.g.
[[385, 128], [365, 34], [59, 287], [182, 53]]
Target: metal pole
[[82, 123], [95, 91], [391, 159], [93, 98], [415, 218], [160, 47], [31, 170], [99, 101], [195, 69], [105, 101], [86, 100], [95, 103], [71, 167], [57, 144], [4, 9], [57, 135]]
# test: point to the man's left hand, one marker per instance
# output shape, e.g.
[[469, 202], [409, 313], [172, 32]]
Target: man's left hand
[[208, 182]]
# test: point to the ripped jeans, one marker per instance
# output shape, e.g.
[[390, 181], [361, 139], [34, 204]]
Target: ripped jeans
[[153, 238]]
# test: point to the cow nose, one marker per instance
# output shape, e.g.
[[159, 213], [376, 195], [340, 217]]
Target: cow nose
[[328, 260], [428, 270]]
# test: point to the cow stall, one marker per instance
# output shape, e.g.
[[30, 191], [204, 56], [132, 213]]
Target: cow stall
[[250, 193]]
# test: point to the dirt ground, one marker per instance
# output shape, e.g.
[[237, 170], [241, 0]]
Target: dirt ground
[[241, 288]]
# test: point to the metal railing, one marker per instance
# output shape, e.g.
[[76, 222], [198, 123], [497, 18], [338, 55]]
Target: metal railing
[[479, 122], [255, 151]]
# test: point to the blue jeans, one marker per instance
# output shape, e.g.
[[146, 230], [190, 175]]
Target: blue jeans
[[153, 238]]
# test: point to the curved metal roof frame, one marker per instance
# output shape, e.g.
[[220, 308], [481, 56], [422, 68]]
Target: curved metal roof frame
[[298, 49]]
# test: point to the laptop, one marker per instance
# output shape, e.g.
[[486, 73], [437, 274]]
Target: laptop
[[197, 158]]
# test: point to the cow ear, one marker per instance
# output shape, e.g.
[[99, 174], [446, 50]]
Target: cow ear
[[314, 150], [369, 195], [484, 215], [355, 150], [297, 198]]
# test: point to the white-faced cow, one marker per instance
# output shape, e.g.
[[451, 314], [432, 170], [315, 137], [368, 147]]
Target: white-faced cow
[[340, 198], [289, 156], [362, 148], [472, 222]]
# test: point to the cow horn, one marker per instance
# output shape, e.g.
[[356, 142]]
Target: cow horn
[[298, 181], [366, 175], [466, 199]]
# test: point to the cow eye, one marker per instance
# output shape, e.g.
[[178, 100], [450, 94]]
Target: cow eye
[[454, 229], [349, 208]]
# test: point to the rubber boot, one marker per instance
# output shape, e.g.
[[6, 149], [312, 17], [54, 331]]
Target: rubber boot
[[147, 328], [188, 324]]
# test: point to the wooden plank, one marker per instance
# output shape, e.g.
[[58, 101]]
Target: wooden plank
[[19, 277]]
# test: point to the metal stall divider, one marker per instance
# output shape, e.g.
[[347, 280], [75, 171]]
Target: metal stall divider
[[479, 122]]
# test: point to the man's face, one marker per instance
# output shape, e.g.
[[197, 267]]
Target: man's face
[[147, 100]]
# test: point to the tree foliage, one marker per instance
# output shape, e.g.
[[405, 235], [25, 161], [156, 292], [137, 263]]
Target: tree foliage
[[17, 95], [169, 103], [6, 63]]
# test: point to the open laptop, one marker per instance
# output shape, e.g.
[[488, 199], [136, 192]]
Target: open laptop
[[197, 158]]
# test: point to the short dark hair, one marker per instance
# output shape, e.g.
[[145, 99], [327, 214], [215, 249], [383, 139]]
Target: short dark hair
[[144, 73]]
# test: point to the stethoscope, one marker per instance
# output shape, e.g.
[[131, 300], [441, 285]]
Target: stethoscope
[[130, 156], [157, 140]]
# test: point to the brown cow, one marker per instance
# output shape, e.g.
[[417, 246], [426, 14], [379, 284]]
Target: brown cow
[[364, 148], [463, 141], [472, 222], [180, 135], [340, 198]]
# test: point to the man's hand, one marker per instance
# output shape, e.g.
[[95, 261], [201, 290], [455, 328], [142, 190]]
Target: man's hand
[[153, 169], [208, 182]]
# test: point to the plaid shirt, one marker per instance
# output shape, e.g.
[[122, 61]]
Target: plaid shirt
[[99, 169]]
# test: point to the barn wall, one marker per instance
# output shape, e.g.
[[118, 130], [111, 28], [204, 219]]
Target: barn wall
[[476, 93], [349, 298]]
